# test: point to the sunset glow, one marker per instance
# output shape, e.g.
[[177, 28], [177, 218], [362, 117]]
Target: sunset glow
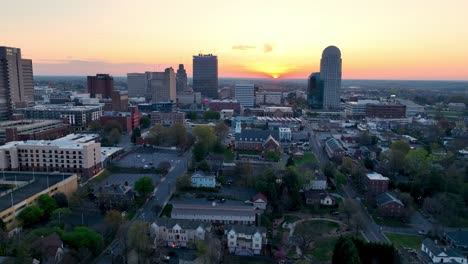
[[270, 39]]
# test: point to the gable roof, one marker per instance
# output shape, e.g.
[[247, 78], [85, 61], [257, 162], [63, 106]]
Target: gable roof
[[438, 250], [244, 229], [459, 238], [270, 138], [256, 135], [259, 196], [386, 198], [184, 224], [201, 174]]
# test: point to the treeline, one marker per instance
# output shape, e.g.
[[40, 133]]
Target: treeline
[[353, 250]]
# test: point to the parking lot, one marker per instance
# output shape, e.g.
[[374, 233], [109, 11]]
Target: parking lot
[[121, 178], [146, 159]]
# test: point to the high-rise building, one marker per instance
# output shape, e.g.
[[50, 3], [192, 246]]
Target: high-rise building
[[162, 85], [205, 75], [16, 81], [137, 84], [330, 74], [245, 94], [315, 91], [181, 79], [101, 86]]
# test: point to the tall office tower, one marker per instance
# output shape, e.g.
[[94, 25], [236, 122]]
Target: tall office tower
[[137, 84], [315, 91], [330, 73], [245, 94], [101, 86], [181, 79], [205, 75], [162, 85], [16, 81]]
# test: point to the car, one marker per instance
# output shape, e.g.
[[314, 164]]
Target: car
[[422, 232], [138, 156], [146, 166], [222, 200]]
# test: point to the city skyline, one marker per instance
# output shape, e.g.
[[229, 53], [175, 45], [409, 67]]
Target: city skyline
[[421, 42]]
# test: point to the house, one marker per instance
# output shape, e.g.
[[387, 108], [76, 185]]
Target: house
[[319, 182], [113, 196], [177, 232], [50, 248], [285, 134], [200, 179], [245, 240], [271, 145], [434, 253], [259, 201], [215, 161], [389, 205], [319, 197], [215, 213], [457, 239]]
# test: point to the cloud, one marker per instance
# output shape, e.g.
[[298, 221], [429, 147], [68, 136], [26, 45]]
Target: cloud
[[268, 47], [243, 47]]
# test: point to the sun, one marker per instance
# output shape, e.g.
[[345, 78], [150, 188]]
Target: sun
[[275, 76]]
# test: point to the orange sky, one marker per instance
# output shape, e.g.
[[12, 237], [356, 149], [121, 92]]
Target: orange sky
[[400, 39]]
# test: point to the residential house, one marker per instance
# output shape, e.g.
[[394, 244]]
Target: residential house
[[259, 201], [457, 239], [434, 253], [319, 182], [319, 197], [389, 205], [50, 248], [200, 179], [245, 240], [112, 196], [177, 232]]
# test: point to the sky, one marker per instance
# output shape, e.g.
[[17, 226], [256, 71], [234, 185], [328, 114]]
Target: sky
[[378, 39]]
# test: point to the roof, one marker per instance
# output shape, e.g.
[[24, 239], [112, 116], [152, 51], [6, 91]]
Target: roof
[[244, 229], [218, 209], [35, 183], [317, 195], [31, 124], [438, 249], [201, 174], [256, 135], [459, 238], [376, 176], [333, 144], [183, 223], [385, 198], [270, 138], [48, 245], [259, 196], [53, 107]]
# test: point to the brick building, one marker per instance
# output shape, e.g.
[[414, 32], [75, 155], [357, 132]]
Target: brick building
[[385, 110], [167, 118], [218, 105], [375, 184], [27, 129], [101, 86]]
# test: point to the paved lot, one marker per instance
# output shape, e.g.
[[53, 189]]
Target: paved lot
[[140, 159], [121, 178]]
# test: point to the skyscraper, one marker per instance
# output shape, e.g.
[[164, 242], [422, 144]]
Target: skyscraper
[[181, 79], [162, 85], [315, 91], [205, 75], [101, 86], [245, 94], [16, 81], [137, 84], [330, 74]]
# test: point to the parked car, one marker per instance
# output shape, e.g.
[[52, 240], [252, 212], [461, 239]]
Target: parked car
[[422, 232]]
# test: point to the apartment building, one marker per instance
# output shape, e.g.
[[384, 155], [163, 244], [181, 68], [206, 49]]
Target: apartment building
[[375, 184], [177, 232], [167, 118], [74, 155], [245, 240], [27, 129]]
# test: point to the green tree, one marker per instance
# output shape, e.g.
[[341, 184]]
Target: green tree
[[47, 203], [273, 156], [369, 164], [199, 151], [144, 186], [401, 146], [211, 115], [113, 219], [192, 115], [183, 183], [83, 237], [95, 126], [345, 252], [347, 164], [111, 125], [113, 137], [145, 122], [290, 162], [138, 238], [136, 133], [59, 214], [179, 132], [61, 199], [221, 130], [418, 162], [205, 135], [31, 215]]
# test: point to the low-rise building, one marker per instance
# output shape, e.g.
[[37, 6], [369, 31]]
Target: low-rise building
[[334, 149], [285, 134], [27, 129], [456, 106], [386, 110], [127, 120], [200, 179], [177, 232], [215, 213], [434, 253], [226, 114], [358, 109], [157, 106], [268, 98], [253, 139], [26, 187], [318, 182], [375, 184], [319, 197], [389, 205], [457, 239], [167, 118], [278, 111], [259, 201], [188, 98], [218, 105], [245, 240]]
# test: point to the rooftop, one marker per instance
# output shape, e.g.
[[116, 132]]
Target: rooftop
[[385, 198], [27, 124], [183, 223], [64, 107], [37, 182], [460, 238], [218, 209], [376, 176]]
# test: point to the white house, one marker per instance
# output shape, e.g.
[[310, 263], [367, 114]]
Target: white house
[[319, 182], [200, 179], [434, 253], [259, 201], [285, 134], [176, 233], [245, 240]]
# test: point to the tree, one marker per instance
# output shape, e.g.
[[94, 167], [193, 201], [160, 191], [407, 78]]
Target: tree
[[61, 199], [60, 213], [369, 164], [209, 250], [273, 156], [192, 115], [95, 126], [113, 219], [179, 132], [138, 238], [113, 137], [221, 130], [290, 162], [205, 135], [144, 186], [211, 115], [83, 237], [47, 203], [111, 125], [304, 237], [401, 146], [347, 164], [345, 252], [136, 133], [145, 122], [31, 215], [199, 151], [183, 183], [418, 162]]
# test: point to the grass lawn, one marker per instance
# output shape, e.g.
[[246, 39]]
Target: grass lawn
[[324, 226], [323, 249], [308, 158], [291, 218], [400, 240]]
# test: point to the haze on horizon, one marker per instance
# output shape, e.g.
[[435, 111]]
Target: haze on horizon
[[378, 40]]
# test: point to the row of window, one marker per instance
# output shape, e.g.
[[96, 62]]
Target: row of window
[[49, 151]]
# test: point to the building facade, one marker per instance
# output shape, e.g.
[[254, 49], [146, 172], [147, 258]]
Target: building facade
[[315, 90], [330, 74], [16, 82], [218, 105], [386, 110], [245, 240], [162, 86], [137, 84], [205, 75], [200, 179], [27, 129], [100, 86], [245, 94], [181, 79], [227, 214], [375, 184], [177, 233], [119, 101], [268, 98], [167, 118]]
